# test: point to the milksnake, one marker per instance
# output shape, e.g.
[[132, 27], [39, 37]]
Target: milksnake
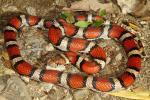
[[74, 40]]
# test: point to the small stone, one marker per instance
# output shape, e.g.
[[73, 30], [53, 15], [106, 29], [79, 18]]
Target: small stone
[[60, 2], [47, 87], [68, 96], [142, 37], [36, 98], [114, 15], [29, 47], [25, 78], [108, 60], [49, 47], [56, 67], [81, 94], [57, 93], [118, 57], [105, 95], [31, 10], [117, 49], [8, 8], [143, 22], [95, 97]]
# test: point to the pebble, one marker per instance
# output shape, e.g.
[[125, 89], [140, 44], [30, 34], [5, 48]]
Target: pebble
[[25, 78], [60, 2], [8, 8], [81, 94], [68, 96], [108, 60], [36, 98], [118, 57], [49, 47], [30, 10], [95, 97], [117, 48], [114, 15], [56, 93], [46, 86], [143, 22], [56, 67]]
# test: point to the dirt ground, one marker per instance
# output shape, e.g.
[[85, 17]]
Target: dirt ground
[[34, 48]]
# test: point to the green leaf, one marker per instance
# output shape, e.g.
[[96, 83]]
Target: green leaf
[[70, 19], [98, 23], [102, 12], [64, 15], [82, 24]]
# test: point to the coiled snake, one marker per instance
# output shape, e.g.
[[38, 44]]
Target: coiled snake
[[72, 39]]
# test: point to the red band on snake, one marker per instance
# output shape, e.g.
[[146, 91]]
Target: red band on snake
[[67, 37]]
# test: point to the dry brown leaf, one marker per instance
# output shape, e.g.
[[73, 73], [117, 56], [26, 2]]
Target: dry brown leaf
[[138, 93], [5, 55], [86, 5]]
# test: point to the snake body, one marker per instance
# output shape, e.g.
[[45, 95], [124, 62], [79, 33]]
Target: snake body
[[73, 40]]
